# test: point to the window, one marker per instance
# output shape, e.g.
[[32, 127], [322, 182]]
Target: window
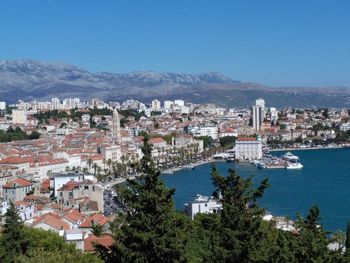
[[93, 188], [86, 187]]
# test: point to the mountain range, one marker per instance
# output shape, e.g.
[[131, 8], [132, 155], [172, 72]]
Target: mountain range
[[30, 79]]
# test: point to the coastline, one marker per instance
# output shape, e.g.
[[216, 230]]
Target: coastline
[[171, 171], [307, 149]]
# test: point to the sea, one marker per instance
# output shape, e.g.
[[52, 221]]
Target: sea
[[324, 181]]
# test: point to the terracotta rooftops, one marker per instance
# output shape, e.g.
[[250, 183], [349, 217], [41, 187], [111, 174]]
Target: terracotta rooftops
[[17, 183], [106, 241]]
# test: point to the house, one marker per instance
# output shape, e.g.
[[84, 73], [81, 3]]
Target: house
[[75, 237], [26, 210], [51, 222], [99, 219], [106, 241], [202, 204], [16, 190]]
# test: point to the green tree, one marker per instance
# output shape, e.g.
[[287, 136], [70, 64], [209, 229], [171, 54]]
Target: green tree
[[151, 230], [239, 233], [13, 239], [312, 240]]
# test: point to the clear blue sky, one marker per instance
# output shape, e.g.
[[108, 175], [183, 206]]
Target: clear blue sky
[[278, 43]]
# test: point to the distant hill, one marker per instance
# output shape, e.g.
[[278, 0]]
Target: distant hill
[[29, 79]]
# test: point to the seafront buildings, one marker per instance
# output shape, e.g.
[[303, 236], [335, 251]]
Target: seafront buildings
[[60, 158]]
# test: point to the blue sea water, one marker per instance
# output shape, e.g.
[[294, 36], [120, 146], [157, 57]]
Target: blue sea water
[[325, 181]]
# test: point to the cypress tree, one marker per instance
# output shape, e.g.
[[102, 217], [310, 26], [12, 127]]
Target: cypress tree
[[151, 230]]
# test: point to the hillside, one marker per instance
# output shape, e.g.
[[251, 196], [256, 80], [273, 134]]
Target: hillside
[[28, 79]]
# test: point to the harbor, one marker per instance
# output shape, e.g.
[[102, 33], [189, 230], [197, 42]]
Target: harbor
[[291, 191], [286, 161]]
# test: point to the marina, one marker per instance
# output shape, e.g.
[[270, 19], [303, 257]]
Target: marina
[[286, 161]]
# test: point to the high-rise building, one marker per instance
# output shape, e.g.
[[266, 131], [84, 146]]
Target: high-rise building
[[273, 115], [55, 103], [257, 120], [155, 104], [261, 103]]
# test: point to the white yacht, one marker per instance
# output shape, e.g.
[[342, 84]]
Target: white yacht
[[290, 157], [296, 165]]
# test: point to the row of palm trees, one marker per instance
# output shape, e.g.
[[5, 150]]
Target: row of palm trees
[[164, 157]]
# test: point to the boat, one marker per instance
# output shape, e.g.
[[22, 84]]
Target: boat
[[296, 165], [188, 167], [290, 157], [230, 160]]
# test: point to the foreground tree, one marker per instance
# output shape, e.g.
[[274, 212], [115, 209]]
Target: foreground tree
[[240, 231], [13, 240], [151, 230]]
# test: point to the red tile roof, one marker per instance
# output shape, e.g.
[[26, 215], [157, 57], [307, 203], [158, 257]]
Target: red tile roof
[[97, 219], [74, 216], [18, 182], [156, 140], [52, 220], [89, 243]]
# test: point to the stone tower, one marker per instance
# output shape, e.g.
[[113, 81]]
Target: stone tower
[[116, 127]]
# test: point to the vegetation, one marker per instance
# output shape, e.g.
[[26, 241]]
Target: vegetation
[[227, 141], [150, 230], [22, 244], [17, 135]]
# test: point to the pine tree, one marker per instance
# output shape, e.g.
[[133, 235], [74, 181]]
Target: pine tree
[[312, 240], [151, 230], [240, 229], [13, 240]]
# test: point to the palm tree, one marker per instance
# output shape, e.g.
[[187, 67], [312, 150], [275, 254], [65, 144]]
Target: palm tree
[[95, 168], [97, 229], [89, 161]]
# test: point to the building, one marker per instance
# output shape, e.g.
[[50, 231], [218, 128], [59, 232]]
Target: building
[[115, 127], [2, 105], [16, 190], [257, 120], [156, 105], [19, 117], [345, 127], [248, 149], [179, 103], [202, 204], [198, 131], [168, 104]]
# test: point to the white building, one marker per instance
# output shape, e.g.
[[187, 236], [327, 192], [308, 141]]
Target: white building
[[2, 105], [198, 131], [19, 117], [156, 105], [248, 149], [58, 180], [180, 103], [168, 104], [202, 204], [345, 127], [273, 115]]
